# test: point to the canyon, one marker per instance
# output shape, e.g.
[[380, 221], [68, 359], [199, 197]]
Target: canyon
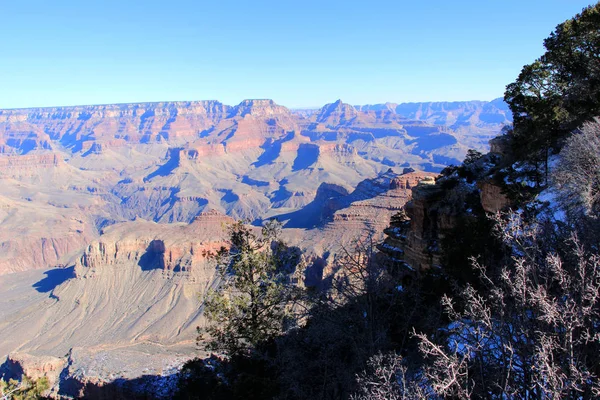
[[67, 172], [108, 213]]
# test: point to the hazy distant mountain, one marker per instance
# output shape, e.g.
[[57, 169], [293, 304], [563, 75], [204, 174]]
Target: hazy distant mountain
[[456, 114]]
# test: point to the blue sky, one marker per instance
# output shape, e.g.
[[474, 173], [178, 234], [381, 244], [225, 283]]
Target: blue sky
[[299, 53]]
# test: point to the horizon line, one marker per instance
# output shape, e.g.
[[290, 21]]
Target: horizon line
[[248, 99]]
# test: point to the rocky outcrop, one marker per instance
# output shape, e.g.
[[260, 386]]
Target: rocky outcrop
[[409, 180], [198, 151], [124, 309], [421, 246], [171, 249], [364, 213], [104, 374], [22, 254], [501, 145], [492, 197], [48, 160], [460, 195], [259, 108], [34, 367], [97, 147], [337, 149]]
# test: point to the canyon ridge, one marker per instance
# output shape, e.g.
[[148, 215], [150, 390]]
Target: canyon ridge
[[108, 212]]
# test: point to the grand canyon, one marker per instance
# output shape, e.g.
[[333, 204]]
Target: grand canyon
[[163, 238], [108, 213]]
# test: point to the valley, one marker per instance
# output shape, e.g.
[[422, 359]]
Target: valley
[[109, 213], [68, 172], [290, 245]]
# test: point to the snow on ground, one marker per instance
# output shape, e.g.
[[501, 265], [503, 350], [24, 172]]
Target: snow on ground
[[549, 196]]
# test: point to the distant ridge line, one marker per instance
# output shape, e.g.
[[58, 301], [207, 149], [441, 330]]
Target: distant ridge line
[[181, 102]]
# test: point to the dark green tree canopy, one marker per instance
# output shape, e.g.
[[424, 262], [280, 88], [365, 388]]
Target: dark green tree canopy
[[251, 305], [558, 92]]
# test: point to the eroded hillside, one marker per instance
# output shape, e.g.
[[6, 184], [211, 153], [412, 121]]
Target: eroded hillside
[[68, 172]]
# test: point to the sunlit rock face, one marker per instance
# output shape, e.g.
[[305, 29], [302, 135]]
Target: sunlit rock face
[[69, 172], [121, 207], [137, 290]]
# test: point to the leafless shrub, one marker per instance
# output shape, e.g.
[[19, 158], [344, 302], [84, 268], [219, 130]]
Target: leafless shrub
[[577, 175], [386, 378], [347, 324], [532, 333]]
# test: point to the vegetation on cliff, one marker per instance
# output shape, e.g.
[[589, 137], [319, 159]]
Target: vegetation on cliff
[[509, 304], [251, 306], [558, 92], [25, 389]]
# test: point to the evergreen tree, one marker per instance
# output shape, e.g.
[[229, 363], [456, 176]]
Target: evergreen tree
[[26, 389], [251, 306], [559, 91]]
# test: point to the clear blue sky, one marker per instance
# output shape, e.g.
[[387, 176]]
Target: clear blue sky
[[300, 53]]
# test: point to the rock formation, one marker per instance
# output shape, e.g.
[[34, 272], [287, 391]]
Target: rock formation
[[34, 367], [122, 205], [420, 249], [136, 291], [336, 114], [414, 238], [493, 199], [68, 172]]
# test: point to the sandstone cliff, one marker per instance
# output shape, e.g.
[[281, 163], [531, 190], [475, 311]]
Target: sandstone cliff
[[137, 291], [68, 172], [437, 207]]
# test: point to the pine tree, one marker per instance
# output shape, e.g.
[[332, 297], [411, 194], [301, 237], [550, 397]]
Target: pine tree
[[559, 91], [251, 306]]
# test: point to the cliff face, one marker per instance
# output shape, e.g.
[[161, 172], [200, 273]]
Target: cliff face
[[99, 374], [350, 220], [14, 162], [68, 172], [21, 253], [137, 291], [126, 308], [336, 114], [170, 249], [34, 367], [30, 129], [419, 245], [464, 193], [492, 197]]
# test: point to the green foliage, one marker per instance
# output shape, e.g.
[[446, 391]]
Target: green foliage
[[26, 389], [251, 306], [472, 156], [558, 92]]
